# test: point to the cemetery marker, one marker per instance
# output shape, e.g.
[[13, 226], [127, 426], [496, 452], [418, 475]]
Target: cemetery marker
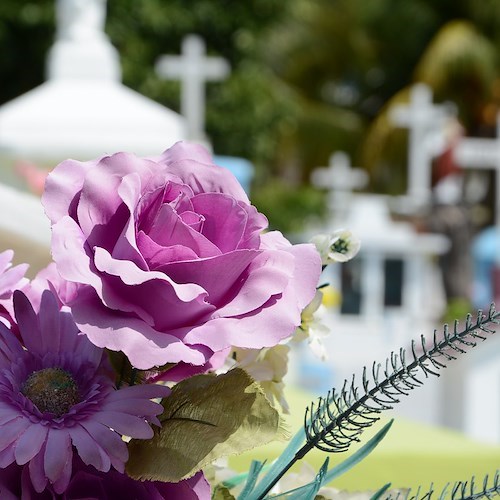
[[193, 68]]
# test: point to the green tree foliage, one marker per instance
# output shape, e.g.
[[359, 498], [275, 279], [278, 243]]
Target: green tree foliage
[[26, 34], [308, 77], [241, 116], [365, 56]]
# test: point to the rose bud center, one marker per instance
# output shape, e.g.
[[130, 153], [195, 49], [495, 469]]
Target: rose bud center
[[52, 390]]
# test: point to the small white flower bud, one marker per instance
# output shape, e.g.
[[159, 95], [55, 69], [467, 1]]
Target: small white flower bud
[[340, 246]]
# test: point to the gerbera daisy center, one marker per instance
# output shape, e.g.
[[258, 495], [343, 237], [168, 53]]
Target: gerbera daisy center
[[52, 390]]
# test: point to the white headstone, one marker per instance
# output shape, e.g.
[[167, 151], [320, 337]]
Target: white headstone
[[193, 68], [341, 179], [426, 123]]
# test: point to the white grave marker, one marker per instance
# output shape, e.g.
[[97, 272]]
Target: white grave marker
[[193, 68], [341, 178], [426, 123]]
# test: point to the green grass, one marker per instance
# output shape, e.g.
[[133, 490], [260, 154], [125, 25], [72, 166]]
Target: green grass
[[411, 454]]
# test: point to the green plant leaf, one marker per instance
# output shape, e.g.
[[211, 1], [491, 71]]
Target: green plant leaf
[[221, 493], [378, 494], [239, 478], [253, 474], [205, 417], [308, 491], [277, 466]]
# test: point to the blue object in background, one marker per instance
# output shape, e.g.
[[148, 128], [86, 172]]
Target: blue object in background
[[486, 256], [242, 169]]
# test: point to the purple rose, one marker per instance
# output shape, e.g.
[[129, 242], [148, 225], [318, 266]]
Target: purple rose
[[172, 257]]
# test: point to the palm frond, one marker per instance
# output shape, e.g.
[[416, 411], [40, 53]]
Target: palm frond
[[335, 421]]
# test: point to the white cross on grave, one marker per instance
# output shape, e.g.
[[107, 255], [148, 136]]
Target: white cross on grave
[[341, 179], [479, 153], [193, 68], [426, 123]]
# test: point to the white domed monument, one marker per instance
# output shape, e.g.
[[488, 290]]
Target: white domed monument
[[82, 111]]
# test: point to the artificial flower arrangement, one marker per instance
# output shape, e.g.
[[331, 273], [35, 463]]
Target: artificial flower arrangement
[[157, 340]]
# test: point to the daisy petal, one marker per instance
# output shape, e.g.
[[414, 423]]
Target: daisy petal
[[57, 453]]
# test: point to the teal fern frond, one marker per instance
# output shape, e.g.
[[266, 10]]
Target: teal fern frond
[[333, 423], [461, 490]]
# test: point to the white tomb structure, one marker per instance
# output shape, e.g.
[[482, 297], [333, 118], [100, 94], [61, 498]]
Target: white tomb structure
[[385, 289], [193, 68], [83, 110], [24, 228], [389, 290], [467, 396]]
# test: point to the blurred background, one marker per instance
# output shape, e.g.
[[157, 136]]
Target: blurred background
[[380, 116]]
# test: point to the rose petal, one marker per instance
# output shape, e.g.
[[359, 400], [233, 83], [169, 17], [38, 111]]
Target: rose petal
[[68, 251], [63, 186], [169, 229], [193, 164], [208, 273], [153, 296], [144, 346], [268, 275], [156, 255], [225, 219], [99, 200]]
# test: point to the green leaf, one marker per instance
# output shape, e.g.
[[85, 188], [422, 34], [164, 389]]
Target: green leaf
[[221, 493], [253, 474], [125, 372], [358, 455], [238, 479], [292, 448], [378, 494], [206, 417], [308, 491]]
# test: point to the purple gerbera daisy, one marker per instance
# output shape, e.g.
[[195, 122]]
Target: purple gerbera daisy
[[57, 396], [86, 482]]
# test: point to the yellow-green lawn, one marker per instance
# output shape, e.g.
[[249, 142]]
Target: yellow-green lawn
[[411, 454]]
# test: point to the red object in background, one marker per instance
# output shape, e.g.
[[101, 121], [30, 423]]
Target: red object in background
[[34, 177], [496, 283], [445, 164]]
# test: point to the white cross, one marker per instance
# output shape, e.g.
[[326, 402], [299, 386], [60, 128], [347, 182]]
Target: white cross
[[193, 68], [426, 122], [341, 178], [472, 152]]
